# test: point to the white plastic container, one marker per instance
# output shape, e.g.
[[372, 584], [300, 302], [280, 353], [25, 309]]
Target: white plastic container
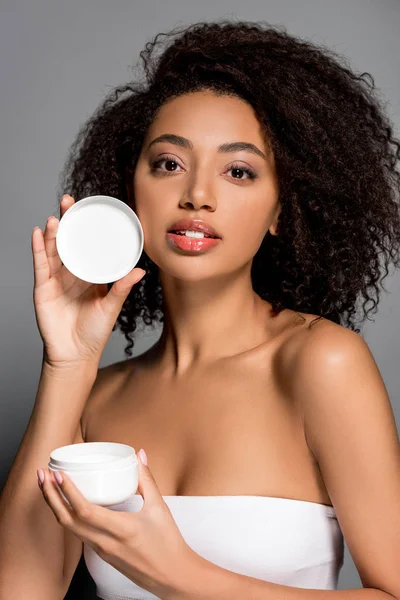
[[105, 473], [99, 239]]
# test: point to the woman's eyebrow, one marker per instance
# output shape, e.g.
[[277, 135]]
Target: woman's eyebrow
[[227, 147]]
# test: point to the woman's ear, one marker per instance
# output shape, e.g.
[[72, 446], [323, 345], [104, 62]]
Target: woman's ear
[[274, 224], [272, 230]]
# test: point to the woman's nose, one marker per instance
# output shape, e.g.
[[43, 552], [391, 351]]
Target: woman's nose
[[198, 201], [197, 205]]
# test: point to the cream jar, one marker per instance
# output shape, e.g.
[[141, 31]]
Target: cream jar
[[100, 239], [105, 473]]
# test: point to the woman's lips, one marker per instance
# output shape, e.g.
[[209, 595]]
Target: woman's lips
[[191, 244]]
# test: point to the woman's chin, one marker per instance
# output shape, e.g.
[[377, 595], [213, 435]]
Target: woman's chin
[[189, 273]]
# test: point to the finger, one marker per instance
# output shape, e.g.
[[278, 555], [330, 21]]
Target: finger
[[113, 301], [53, 257], [41, 269], [66, 516], [147, 486], [66, 202], [101, 528], [60, 508], [89, 514]]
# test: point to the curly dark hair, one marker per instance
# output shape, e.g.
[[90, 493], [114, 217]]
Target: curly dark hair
[[334, 149]]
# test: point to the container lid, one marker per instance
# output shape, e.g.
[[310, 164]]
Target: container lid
[[92, 456], [99, 239]]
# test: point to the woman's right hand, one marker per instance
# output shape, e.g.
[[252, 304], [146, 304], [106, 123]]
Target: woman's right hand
[[75, 318]]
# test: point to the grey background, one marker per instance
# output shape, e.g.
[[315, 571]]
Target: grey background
[[57, 61]]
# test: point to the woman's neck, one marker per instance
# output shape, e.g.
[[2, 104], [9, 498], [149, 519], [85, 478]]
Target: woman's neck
[[204, 323]]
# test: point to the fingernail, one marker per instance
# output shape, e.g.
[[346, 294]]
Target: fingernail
[[143, 456], [58, 477], [40, 475]]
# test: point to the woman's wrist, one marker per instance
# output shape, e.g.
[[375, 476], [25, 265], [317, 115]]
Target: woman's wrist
[[82, 368]]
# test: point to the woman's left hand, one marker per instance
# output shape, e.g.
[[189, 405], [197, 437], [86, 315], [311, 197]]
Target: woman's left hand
[[146, 546]]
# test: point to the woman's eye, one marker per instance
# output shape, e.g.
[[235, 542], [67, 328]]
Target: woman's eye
[[236, 169], [155, 165]]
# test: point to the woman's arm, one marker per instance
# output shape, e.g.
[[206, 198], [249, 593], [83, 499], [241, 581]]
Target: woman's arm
[[351, 430], [204, 580], [31, 540]]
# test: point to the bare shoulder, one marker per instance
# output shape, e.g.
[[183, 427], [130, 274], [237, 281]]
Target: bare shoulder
[[325, 367], [110, 376], [328, 342], [315, 336], [313, 347], [109, 379]]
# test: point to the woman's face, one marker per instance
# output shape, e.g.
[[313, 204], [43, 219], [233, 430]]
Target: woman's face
[[196, 181]]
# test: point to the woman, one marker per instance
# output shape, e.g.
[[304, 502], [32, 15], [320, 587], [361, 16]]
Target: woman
[[257, 407]]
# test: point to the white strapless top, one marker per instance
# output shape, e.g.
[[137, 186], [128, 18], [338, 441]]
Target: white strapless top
[[291, 542]]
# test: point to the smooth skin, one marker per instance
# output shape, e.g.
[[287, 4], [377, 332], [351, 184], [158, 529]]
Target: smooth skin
[[231, 400]]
